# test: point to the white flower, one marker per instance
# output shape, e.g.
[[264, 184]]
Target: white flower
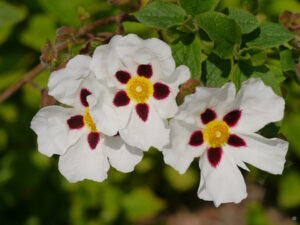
[[219, 127], [143, 84], [71, 132]]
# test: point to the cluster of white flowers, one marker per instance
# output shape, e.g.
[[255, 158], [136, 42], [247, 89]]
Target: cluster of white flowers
[[120, 100]]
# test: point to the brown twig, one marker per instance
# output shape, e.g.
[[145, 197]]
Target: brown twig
[[27, 77]]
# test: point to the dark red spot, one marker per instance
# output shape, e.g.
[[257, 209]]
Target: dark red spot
[[75, 122], [236, 141], [208, 116], [214, 156], [83, 94], [145, 70], [143, 111], [196, 138], [121, 99], [123, 76], [161, 91], [232, 117], [93, 139], [117, 134]]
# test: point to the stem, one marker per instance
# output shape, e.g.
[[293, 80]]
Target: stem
[[231, 69], [27, 77]]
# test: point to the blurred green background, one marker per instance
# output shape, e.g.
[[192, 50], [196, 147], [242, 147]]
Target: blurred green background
[[33, 192]]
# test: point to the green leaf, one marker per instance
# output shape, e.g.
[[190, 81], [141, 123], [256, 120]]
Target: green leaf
[[291, 129], [215, 71], [4, 33], [257, 56], [256, 215], [141, 203], [194, 7], [181, 182], [188, 54], [269, 35], [161, 14], [10, 15], [246, 20], [289, 186], [286, 60], [223, 30], [41, 28], [271, 75]]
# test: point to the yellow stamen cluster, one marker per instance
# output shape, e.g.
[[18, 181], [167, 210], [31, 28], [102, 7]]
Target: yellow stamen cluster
[[216, 133], [88, 121], [139, 89]]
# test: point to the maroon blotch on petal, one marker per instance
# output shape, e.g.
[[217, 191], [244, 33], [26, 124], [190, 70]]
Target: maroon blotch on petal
[[232, 117], [142, 110], [121, 99], [236, 141], [75, 122], [93, 139], [214, 156], [208, 116], [196, 138], [83, 95], [145, 70], [123, 76], [161, 91]]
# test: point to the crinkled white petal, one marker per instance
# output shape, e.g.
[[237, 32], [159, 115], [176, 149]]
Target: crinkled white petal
[[126, 53], [259, 105], [80, 162], [65, 84], [167, 107], [179, 154], [54, 134], [106, 116], [263, 153], [121, 156], [154, 132], [222, 184], [218, 99]]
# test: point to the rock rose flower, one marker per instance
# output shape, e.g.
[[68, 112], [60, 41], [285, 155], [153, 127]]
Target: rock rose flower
[[143, 83], [218, 125], [71, 132]]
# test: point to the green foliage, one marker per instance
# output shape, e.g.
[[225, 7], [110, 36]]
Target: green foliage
[[40, 29], [195, 7], [217, 40], [257, 56], [187, 52], [216, 71], [271, 75], [223, 30], [246, 20], [10, 15], [161, 14], [289, 195], [141, 203], [269, 35]]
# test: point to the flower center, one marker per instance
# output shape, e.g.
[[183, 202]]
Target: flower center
[[216, 133], [88, 121], [139, 89]]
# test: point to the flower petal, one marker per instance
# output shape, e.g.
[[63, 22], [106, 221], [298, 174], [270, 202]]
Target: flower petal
[[54, 134], [266, 154], [217, 99], [127, 53], [167, 107], [180, 153], [121, 156], [223, 183], [65, 84], [108, 118], [259, 105], [80, 162], [144, 134]]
